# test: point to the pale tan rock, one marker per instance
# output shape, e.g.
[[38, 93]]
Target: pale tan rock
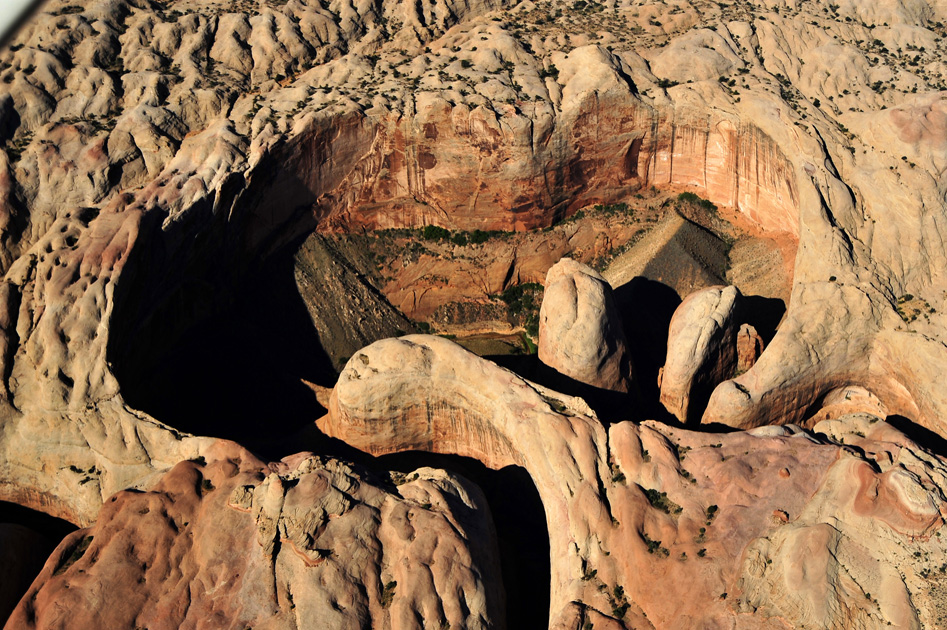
[[853, 180], [702, 350], [698, 55], [644, 509], [580, 332]]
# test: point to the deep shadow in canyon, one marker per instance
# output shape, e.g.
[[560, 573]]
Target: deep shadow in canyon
[[646, 307], [920, 435], [27, 538], [237, 375], [209, 334], [764, 314]]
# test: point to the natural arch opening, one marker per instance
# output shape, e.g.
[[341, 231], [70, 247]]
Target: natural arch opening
[[27, 538], [239, 373], [208, 333]]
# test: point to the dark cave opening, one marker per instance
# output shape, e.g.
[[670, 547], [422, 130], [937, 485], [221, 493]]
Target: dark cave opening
[[646, 330], [27, 538], [922, 436], [237, 374], [764, 314]]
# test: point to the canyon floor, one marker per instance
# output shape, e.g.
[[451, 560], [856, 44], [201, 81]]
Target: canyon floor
[[489, 314]]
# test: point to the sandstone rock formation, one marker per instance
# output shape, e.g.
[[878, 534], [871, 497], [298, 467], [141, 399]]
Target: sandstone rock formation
[[154, 155], [702, 350], [580, 333], [807, 532], [749, 347], [302, 542]]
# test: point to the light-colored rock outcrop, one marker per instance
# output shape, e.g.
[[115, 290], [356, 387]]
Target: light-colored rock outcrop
[[153, 155], [302, 541], [580, 332], [772, 521], [702, 350]]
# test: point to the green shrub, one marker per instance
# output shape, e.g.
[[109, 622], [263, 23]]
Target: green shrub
[[479, 236], [434, 232], [654, 546], [388, 593], [551, 71], [661, 501], [691, 198]]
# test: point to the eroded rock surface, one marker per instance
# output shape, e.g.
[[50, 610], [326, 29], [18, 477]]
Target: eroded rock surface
[[580, 331], [773, 522], [153, 155], [308, 540]]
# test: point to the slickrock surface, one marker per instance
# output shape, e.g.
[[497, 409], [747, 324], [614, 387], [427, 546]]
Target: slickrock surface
[[702, 350], [580, 332], [305, 542], [773, 522], [154, 155]]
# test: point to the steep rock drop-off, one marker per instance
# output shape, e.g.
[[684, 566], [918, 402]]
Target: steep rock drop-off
[[160, 160]]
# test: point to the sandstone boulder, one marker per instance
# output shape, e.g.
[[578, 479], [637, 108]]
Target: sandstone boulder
[[580, 333], [749, 347], [702, 350]]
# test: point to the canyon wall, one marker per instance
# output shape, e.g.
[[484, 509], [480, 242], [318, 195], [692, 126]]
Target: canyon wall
[[518, 168], [155, 157]]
